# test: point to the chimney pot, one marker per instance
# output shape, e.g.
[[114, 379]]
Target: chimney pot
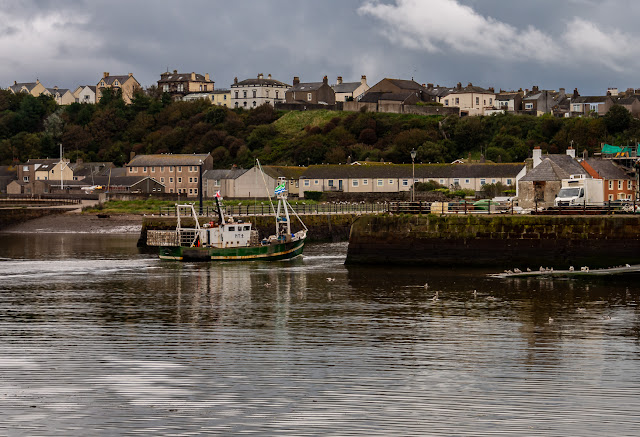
[[269, 76], [363, 79], [325, 80], [459, 86], [260, 76], [175, 71], [206, 77], [130, 74], [470, 85], [339, 80], [296, 80], [235, 80], [105, 74], [537, 156]]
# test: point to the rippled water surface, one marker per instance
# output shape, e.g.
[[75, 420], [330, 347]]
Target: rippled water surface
[[99, 339]]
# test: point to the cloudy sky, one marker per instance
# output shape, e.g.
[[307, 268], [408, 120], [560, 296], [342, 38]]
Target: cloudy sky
[[509, 44]]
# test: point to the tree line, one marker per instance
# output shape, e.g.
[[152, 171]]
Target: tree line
[[33, 127]]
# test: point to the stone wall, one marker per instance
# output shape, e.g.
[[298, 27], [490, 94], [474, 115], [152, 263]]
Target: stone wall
[[11, 216], [502, 241]]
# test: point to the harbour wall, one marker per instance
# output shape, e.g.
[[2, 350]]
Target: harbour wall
[[505, 241], [11, 216], [322, 227]]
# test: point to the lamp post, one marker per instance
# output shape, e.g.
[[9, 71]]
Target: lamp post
[[413, 173], [200, 186]]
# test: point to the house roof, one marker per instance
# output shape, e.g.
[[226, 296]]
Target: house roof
[[470, 89], [221, 91], [87, 168], [219, 174], [288, 172], [167, 159], [42, 161], [61, 91], [18, 86], [400, 97], [177, 77], [346, 87], [554, 168], [423, 171], [589, 99], [627, 100], [261, 82], [607, 169], [307, 86], [110, 79], [406, 84], [506, 96]]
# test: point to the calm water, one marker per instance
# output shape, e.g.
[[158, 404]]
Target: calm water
[[98, 339]]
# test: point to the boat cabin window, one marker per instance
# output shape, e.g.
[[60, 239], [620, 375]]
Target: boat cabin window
[[232, 228], [247, 228]]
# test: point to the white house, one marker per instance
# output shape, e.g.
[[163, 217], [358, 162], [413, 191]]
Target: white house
[[251, 93], [85, 94]]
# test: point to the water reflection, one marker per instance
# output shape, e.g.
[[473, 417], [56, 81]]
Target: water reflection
[[96, 336]]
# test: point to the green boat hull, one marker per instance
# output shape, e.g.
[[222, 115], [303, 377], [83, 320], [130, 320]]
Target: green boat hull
[[271, 252]]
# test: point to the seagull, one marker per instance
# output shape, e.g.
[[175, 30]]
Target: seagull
[[627, 265], [550, 320], [475, 294], [435, 297], [571, 269], [517, 270], [581, 310], [528, 269], [331, 279], [541, 269], [266, 284], [426, 285]]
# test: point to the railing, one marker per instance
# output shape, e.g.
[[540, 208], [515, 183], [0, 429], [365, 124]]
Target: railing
[[39, 199], [299, 208]]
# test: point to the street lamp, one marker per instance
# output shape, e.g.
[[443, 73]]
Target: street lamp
[[413, 178]]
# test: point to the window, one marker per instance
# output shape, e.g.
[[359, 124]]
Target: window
[[236, 104], [171, 190], [144, 169], [216, 183], [316, 182], [179, 180], [180, 87], [171, 181], [490, 101], [457, 100], [246, 228], [365, 182], [493, 181], [267, 93], [306, 182], [170, 168], [610, 196], [629, 184], [483, 182], [180, 168], [380, 182], [354, 182], [255, 94], [244, 104], [161, 168], [162, 180], [200, 87], [576, 108], [405, 182], [237, 93], [446, 102], [25, 178], [153, 169], [195, 191], [190, 190], [224, 97], [467, 181], [25, 168], [611, 185], [195, 180], [456, 182], [477, 101], [254, 103], [309, 96], [509, 181], [130, 169], [191, 180], [441, 181], [232, 228], [165, 88], [244, 94], [276, 94], [528, 106], [331, 182], [390, 181], [619, 185]]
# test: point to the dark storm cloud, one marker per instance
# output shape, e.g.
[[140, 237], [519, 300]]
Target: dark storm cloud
[[574, 43]]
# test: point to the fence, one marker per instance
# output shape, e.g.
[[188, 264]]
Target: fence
[[299, 208], [38, 199]]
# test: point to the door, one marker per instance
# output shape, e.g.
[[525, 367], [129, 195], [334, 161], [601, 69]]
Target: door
[[340, 185]]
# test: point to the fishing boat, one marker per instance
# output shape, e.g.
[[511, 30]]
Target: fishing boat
[[229, 239]]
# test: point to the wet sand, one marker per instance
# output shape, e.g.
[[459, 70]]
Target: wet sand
[[74, 222]]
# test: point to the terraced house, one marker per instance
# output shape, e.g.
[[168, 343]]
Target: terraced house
[[178, 173], [127, 84], [395, 178], [178, 85]]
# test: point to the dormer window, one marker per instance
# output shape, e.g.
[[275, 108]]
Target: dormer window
[[102, 83], [115, 83]]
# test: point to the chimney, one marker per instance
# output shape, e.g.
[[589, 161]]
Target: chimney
[[296, 80], [571, 152], [534, 89], [269, 76], [55, 87], [206, 77], [131, 156], [459, 86], [339, 80], [576, 93], [235, 80], [15, 82], [175, 71], [537, 156], [492, 89], [429, 86], [363, 79], [105, 74], [260, 76], [193, 76], [561, 91], [130, 74], [325, 80]]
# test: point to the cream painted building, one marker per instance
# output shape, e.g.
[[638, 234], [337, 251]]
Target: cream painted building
[[128, 84], [33, 88], [251, 93], [472, 100], [393, 178], [44, 170], [62, 96], [219, 97], [346, 91]]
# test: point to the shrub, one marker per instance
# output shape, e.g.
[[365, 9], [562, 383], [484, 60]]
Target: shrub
[[313, 195], [427, 186]]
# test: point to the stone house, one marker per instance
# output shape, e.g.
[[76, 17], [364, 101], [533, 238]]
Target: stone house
[[472, 100], [538, 102], [8, 174], [127, 84], [178, 173], [618, 185], [314, 93], [178, 85], [85, 94], [396, 178], [251, 93], [33, 88], [346, 91], [543, 182]]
